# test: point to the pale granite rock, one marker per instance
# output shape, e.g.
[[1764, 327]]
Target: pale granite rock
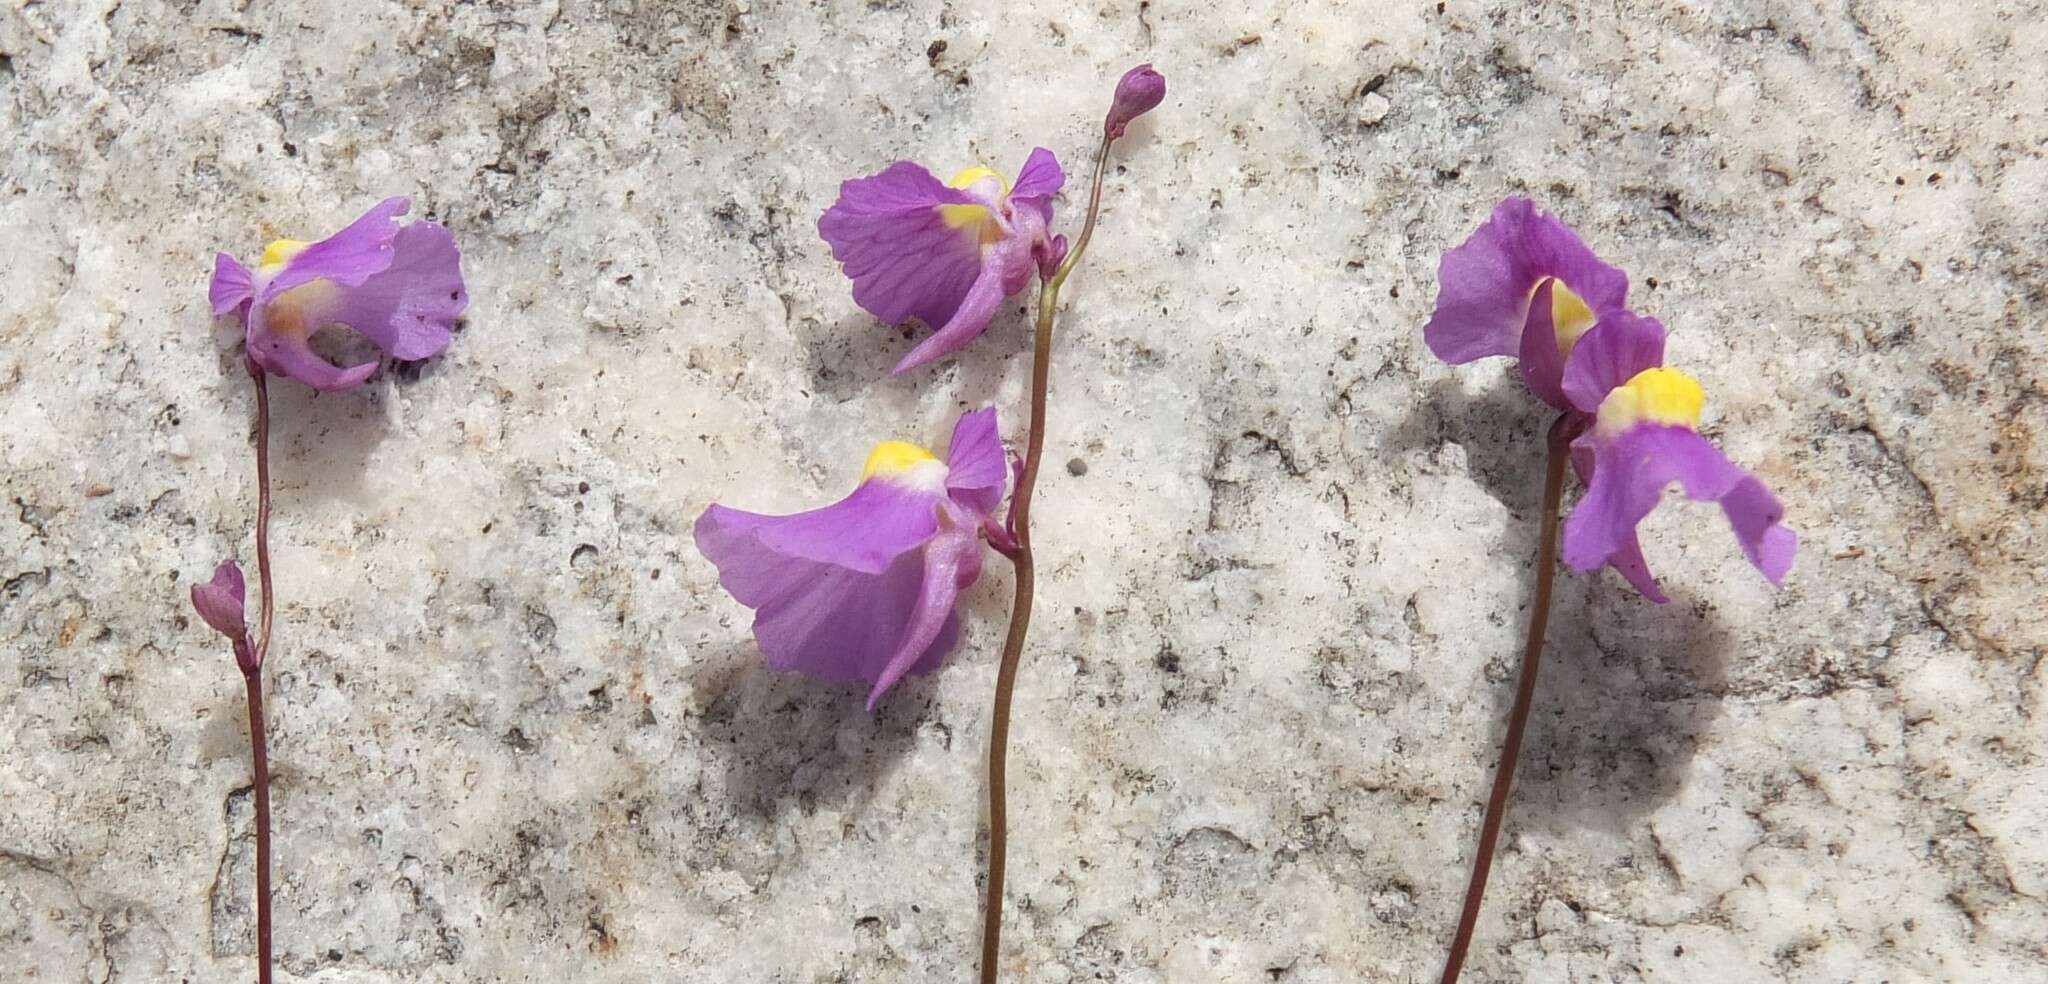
[[521, 735]]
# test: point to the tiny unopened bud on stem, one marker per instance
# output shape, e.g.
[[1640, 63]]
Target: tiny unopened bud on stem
[[219, 601], [1137, 93]]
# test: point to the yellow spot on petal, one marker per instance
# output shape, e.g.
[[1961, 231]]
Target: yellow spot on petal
[[1569, 315], [1654, 396], [968, 178], [976, 220], [279, 253], [973, 218], [302, 310], [895, 459]]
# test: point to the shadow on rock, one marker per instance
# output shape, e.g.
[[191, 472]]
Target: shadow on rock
[[852, 357], [1627, 690], [789, 742], [321, 442], [1502, 431]]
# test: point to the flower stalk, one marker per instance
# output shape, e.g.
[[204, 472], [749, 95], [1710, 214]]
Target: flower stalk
[[1561, 434], [250, 661], [1019, 551]]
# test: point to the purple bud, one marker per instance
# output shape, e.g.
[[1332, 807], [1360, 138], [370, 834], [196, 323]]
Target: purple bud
[[219, 602], [1051, 255], [1137, 92]]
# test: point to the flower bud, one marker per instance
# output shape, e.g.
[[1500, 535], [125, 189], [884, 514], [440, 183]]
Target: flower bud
[[219, 602], [1137, 92]]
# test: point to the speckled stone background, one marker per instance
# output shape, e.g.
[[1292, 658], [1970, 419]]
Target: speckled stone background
[[521, 736]]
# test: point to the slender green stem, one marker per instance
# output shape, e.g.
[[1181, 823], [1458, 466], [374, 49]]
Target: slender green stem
[[1020, 608], [1525, 692], [252, 676]]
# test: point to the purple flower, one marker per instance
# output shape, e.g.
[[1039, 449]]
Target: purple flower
[[945, 253], [1525, 285], [399, 286], [1137, 93], [219, 601], [1640, 438], [863, 589]]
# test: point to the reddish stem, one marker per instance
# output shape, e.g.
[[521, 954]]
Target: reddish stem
[[1018, 549], [251, 663], [1525, 692], [260, 763]]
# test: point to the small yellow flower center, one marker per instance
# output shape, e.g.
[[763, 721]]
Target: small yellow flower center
[[1657, 396], [1570, 316], [896, 460], [976, 219], [967, 178], [279, 253]]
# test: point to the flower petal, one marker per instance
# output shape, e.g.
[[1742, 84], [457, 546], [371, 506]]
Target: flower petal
[[1541, 365], [890, 237], [1630, 473], [841, 625], [1756, 515], [232, 287], [1485, 284], [350, 256], [287, 355], [969, 320], [951, 561], [1037, 181], [408, 309], [864, 532], [1609, 354], [976, 469], [834, 590]]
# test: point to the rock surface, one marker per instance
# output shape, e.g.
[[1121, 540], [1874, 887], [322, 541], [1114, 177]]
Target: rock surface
[[520, 735]]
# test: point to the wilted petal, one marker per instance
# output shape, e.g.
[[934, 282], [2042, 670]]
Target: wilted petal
[[400, 287], [409, 309], [350, 256]]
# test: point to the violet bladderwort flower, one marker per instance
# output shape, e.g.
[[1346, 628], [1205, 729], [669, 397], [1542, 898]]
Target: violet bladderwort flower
[[401, 287], [945, 253], [864, 589], [1525, 285], [857, 590]]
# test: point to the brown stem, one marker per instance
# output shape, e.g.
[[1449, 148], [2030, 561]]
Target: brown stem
[[260, 766], [252, 675], [1020, 608], [1525, 692], [262, 504]]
